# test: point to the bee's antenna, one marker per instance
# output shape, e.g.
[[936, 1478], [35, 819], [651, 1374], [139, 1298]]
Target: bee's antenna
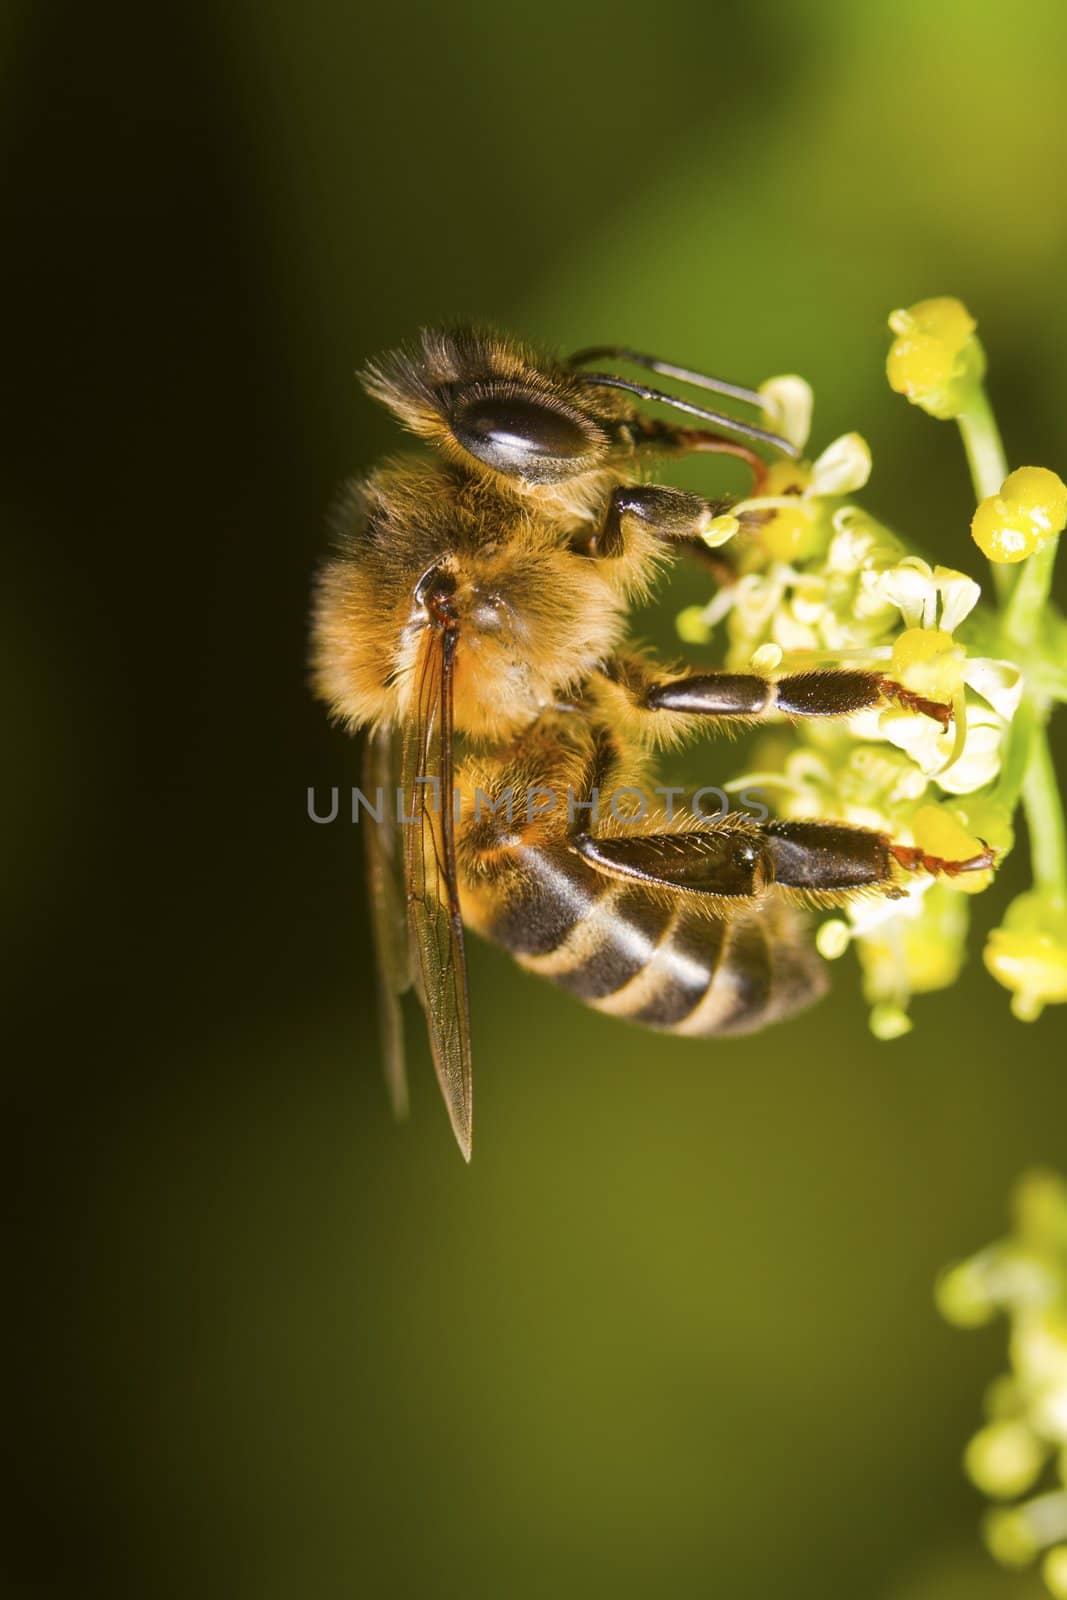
[[699, 380], [748, 430]]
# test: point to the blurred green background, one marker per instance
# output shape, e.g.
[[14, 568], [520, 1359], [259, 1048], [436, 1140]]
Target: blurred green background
[[672, 1332]]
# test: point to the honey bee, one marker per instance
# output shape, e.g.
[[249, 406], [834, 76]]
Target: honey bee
[[474, 622]]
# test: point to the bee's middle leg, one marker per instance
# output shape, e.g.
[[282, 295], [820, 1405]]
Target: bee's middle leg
[[749, 697]]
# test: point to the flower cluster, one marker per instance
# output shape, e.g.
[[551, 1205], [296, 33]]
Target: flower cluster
[[821, 582], [1021, 1451]]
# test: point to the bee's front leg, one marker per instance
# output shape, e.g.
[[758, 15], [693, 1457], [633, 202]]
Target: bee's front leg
[[674, 516]]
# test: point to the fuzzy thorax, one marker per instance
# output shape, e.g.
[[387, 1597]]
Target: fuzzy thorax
[[533, 619]]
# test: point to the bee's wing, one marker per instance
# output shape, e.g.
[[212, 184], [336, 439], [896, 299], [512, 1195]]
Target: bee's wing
[[430, 870], [385, 887]]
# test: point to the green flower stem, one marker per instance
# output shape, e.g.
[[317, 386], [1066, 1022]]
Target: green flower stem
[[1026, 605], [1024, 598], [988, 464], [981, 440], [1021, 735], [1044, 819], [1021, 621]]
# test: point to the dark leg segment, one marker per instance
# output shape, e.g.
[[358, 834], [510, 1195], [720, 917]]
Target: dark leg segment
[[826, 857], [714, 694], [804, 694], [673, 515], [724, 862], [828, 694]]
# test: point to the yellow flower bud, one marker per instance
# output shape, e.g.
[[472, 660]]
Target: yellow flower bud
[[1028, 954], [1003, 535], [919, 644], [1040, 1205], [768, 658], [963, 1295], [692, 629], [786, 537], [929, 662], [786, 477], [1054, 1572], [935, 360], [1030, 508], [832, 939], [719, 530], [789, 533], [1009, 1537], [1003, 1459], [943, 318], [1040, 493], [889, 1021]]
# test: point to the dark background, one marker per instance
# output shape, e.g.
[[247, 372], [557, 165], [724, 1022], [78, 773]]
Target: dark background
[[672, 1332]]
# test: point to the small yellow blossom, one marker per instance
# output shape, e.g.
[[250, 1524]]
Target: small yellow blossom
[[719, 530], [1025, 1276], [1028, 953], [914, 946], [1004, 1458], [691, 626], [1030, 508], [1054, 1572], [793, 517], [935, 360], [889, 1021]]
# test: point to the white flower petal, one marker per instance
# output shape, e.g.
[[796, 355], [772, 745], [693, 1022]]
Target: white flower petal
[[866, 724], [869, 599], [853, 545], [791, 634], [843, 467], [755, 601], [970, 772], [980, 761], [998, 682], [918, 736], [910, 587], [959, 596], [809, 603], [876, 913], [787, 407], [911, 785]]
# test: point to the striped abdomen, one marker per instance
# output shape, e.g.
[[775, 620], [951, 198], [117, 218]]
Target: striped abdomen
[[650, 956]]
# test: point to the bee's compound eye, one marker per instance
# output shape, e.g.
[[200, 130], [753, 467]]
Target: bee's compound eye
[[519, 436]]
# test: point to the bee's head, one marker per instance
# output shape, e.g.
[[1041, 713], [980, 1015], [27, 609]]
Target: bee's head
[[499, 407]]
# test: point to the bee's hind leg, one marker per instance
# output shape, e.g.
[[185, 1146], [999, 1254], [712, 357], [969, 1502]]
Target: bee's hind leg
[[826, 859]]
